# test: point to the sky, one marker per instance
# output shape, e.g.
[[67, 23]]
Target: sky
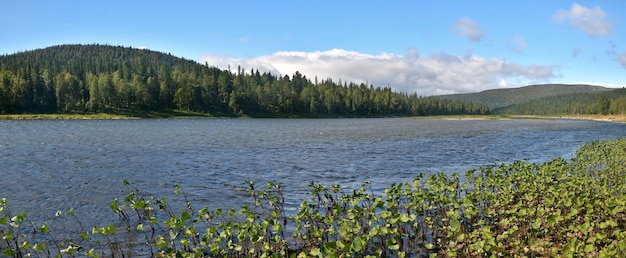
[[428, 47]]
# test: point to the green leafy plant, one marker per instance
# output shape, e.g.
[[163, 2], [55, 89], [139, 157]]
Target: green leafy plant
[[562, 207]]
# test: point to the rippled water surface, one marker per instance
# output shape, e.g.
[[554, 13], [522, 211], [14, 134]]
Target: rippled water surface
[[54, 165]]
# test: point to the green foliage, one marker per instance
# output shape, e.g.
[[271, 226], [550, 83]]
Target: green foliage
[[598, 103], [549, 99], [500, 98], [100, 78], [557, 208]]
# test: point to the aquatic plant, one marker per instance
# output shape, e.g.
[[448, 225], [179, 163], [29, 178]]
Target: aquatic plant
[[562, 207]]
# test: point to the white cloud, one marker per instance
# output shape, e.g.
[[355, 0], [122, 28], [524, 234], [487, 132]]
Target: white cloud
[[433, 74], [502, 83], [575, 52], [593, 21], [613, 53], [468, 28], [621, 58], [602, 84], [517, 43]]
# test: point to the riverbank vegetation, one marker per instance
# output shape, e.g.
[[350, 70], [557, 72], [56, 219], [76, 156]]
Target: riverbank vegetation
[[568, 208], [128, 114], [602, 118], [70, 79]]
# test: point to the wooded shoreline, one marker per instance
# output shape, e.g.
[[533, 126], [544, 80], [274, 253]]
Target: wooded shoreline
[[181, 114]]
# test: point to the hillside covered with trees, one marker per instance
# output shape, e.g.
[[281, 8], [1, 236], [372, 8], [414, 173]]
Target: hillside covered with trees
[[549, 99], [103, 78], [612, 102], [500, 98]]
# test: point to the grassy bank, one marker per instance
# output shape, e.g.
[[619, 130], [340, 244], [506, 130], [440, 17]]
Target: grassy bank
[[134, 114], [607, 118], [61, 116], [562, 207], [603, 118], [118, 114]]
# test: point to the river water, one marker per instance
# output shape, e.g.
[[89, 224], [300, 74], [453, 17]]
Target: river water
[[60, 164]]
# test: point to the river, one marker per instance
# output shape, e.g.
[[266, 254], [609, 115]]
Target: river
[[55, 165]]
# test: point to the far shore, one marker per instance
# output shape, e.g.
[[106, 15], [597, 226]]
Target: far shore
[[62, 116], [105, 116], [603, 118]]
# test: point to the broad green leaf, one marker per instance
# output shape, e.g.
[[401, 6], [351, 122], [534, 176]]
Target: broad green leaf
[[358, 244], [455, 225], [91, 253], [39, 247], [44, 228], [315, 252], [25, 245], [536, 224], [160, 242], [8, 252], [185, 215]]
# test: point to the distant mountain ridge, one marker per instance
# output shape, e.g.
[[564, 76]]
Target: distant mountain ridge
[[501, 98]]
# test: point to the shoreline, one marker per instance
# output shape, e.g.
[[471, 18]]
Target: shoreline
[[174, 115], [600, 118]]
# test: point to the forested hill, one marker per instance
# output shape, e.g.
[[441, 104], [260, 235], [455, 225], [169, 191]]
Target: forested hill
[[549, 99], [499, 98], [609, 102], [103, 78]]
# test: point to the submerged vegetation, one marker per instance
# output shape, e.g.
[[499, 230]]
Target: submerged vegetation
[[568, 208]]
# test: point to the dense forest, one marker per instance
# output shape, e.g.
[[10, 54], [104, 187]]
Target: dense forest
[[505, 97], [549, 99], [611, 102], [103, 78]]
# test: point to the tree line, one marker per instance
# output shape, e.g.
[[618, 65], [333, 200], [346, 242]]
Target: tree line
[[611, 102], [103, 78]]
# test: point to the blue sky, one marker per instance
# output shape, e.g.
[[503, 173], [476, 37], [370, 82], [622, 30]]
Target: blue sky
[[429, 47]]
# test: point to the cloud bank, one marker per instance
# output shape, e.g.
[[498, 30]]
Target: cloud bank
[[593, 21], [433, 74]]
